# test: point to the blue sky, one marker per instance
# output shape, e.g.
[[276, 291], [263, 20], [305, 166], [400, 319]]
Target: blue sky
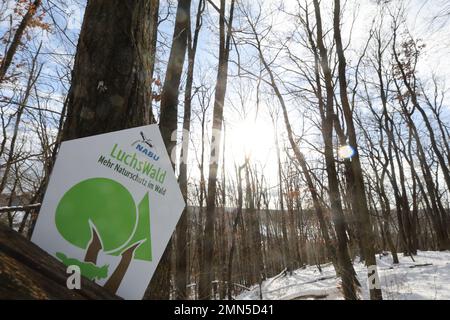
[[249, 127]]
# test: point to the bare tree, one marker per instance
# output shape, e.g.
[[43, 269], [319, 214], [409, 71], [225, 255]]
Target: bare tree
[[159, 287], [16, 40], [225, 29], [181, 256]]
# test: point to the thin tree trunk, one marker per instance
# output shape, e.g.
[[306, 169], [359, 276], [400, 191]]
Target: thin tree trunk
[[237, 218], [347, 272], [159, 287], [181, 275], [7, 60], [359, 190], [300, 157], [32, 78], [221, 86]]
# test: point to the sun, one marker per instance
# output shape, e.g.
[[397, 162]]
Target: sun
[[250, 139]]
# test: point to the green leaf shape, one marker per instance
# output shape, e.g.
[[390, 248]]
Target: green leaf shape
[[144, 252], [104, 202], [87, 269]]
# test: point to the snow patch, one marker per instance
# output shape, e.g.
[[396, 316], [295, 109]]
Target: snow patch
[[426, 278]]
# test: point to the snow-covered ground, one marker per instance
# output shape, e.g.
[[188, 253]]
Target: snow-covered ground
[[431, 280]]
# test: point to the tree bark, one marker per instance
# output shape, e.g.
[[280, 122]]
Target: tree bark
[[28, 272], [113, 68]]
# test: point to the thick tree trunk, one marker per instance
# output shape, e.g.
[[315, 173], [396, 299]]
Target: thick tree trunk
[[112, 74], [113, 68], [28, 272]]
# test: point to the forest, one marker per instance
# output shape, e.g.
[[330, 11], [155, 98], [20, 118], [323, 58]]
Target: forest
[[310, 138]]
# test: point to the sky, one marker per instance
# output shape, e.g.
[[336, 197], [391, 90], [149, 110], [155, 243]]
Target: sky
[[249, 128]]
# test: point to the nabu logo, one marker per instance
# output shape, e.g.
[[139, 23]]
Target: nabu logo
[[145, 146]]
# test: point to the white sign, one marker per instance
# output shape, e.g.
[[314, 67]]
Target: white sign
[[111, 205]]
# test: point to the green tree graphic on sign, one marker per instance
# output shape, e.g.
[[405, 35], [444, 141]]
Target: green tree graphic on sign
[[100, 214]]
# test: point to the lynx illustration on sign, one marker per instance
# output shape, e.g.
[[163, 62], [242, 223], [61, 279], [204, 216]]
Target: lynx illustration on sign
[[110, 208]]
